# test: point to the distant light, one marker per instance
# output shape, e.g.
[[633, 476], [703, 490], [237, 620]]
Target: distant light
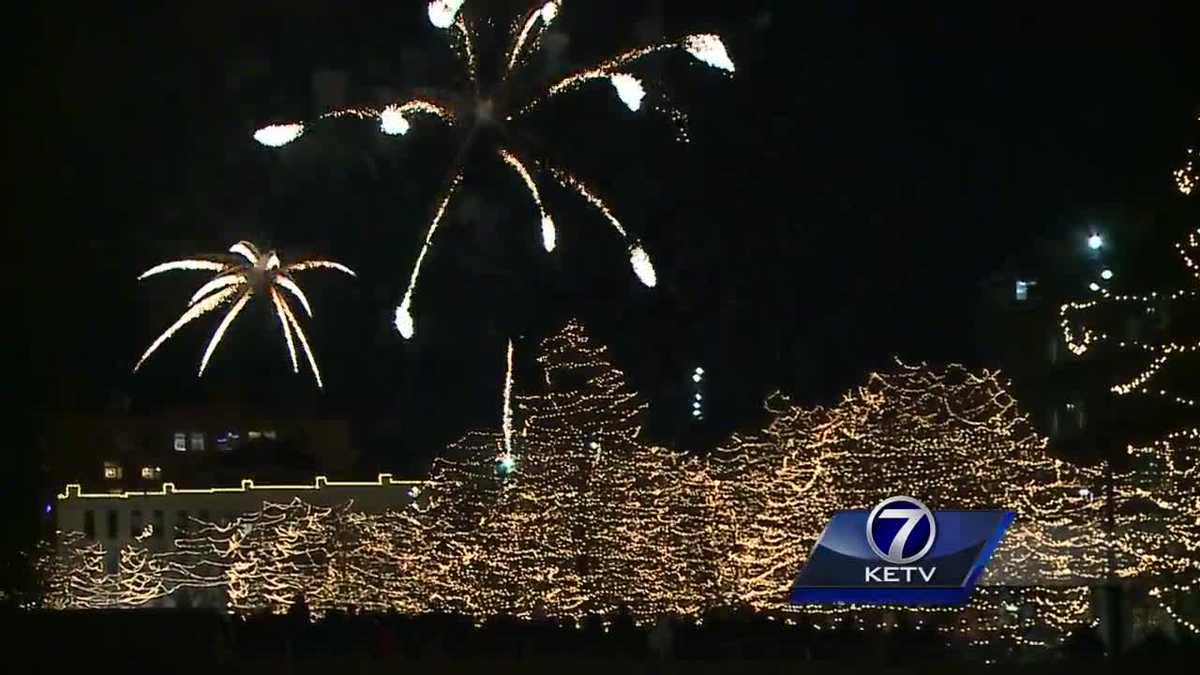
[[1084, 492], [697, 378], [696, 405], [696, 413], [48, 509], [594, 445], [699, 371], [1094, 286], [278, 135], [1106, 275], [699, 396], [1095, 242]]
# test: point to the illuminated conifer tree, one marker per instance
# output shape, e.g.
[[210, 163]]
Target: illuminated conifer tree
[[955, 438]]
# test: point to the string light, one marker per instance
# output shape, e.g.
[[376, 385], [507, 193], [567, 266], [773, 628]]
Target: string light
[[237, 282], [1079, 336], [1186, 176], [592, 518], [494, 106]]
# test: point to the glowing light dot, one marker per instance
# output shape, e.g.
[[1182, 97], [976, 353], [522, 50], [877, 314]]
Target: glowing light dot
[[1094, 286], [710, 50], [278, 135], [550, 11], [442, 13], [507, 463], [629, 90], [549, 234], [1095, 242], [697, 378], [642, 266], [404, 320], [1106, 275], [392, 122]]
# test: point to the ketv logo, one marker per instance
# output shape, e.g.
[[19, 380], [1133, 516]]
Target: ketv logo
[[900, 553]]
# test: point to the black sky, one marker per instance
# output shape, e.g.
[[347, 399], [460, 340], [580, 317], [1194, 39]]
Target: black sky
[[841, 200]]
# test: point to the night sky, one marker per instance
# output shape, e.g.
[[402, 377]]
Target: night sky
[[841, 200]]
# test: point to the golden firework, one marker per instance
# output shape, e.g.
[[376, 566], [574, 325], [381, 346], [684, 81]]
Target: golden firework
[[240, 276], [493, 106]]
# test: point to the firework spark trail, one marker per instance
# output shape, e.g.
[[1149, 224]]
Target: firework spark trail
[[220, 332], [706, 48], [246, 250], [215, 284], [312, 361], [404, 319], [194, 312], [549, 235], [465, 46], [542, 17], [570, 181], [506, 423], [315, 264], [186, 265], [393, 120], [602, 71], [278, 301], [294, 288], [639, 259]]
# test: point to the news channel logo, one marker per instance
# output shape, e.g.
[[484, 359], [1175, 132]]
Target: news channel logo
[[901, 552]]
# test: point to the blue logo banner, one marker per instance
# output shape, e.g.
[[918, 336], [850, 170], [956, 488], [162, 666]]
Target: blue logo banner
[[900, 553]]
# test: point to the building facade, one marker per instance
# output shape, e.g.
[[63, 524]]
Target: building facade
[[155, 519]]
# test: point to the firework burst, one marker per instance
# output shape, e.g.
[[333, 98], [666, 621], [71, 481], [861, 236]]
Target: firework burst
[[492, 106], [243, 274]]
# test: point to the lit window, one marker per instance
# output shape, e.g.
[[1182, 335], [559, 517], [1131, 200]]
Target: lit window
[[196, 441], [112, 471], [227, 440], [270, 434], [151, 472], [1022, 290], [180, 441], [254, 435]]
